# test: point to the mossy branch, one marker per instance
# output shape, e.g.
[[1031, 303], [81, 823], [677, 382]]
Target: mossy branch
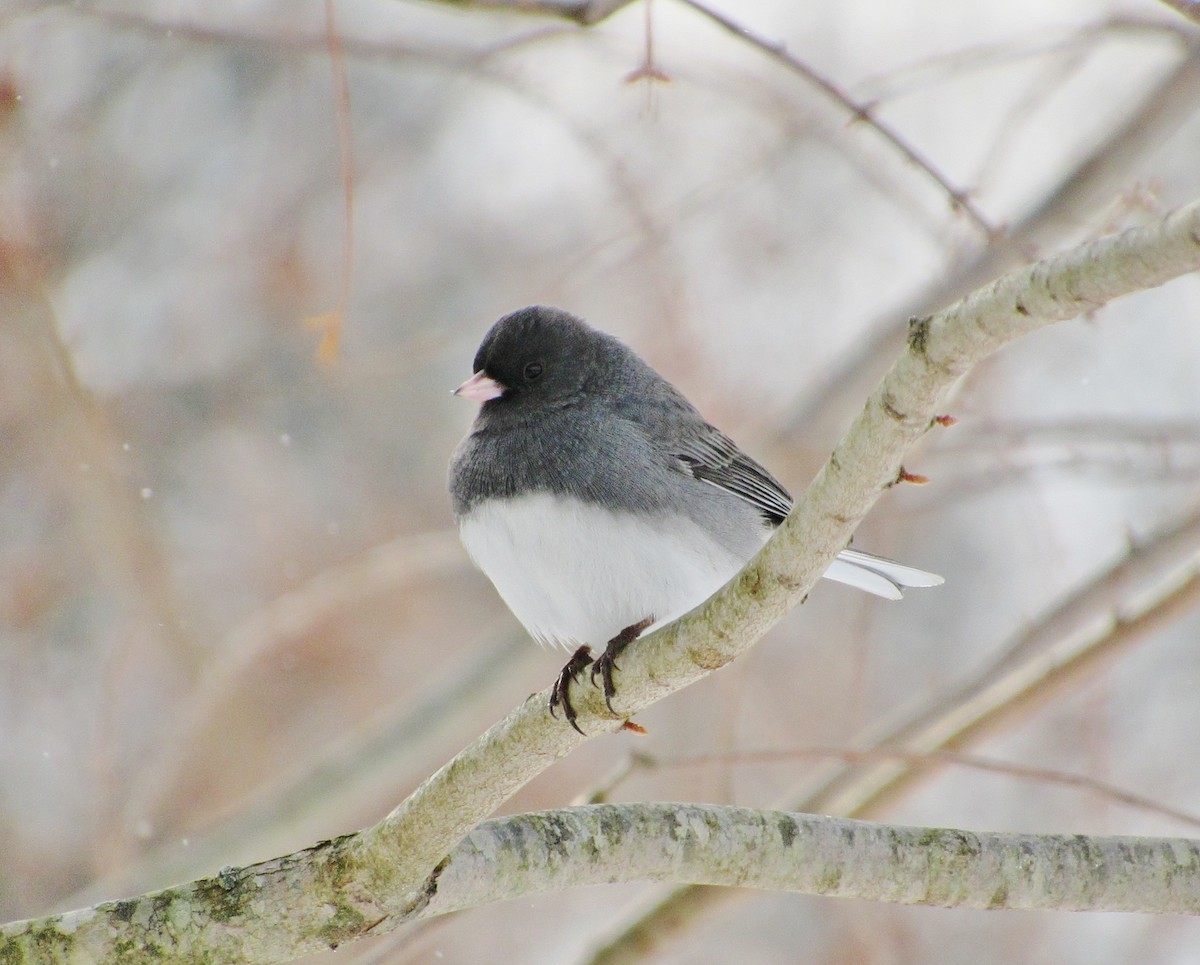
[[816, 855]]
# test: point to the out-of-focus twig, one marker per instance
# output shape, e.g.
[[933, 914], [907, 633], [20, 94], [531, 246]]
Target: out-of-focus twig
[[1080, 636], [991, 455], [1042, 775], [1039, 43], [382, 570], [858, 111], [71, 437], [366, 766], [1189, 8], [585, 12], [822, 411], [331, 323], [602, 789], [652, 230]]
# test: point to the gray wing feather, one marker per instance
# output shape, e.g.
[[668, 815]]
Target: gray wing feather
[[680, 433], [712, 457]]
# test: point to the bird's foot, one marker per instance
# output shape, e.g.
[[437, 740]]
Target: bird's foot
[[606, 663], [559, 693]]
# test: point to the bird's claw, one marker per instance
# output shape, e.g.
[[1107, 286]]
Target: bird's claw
[[606, 663], [602, 667], [560, 692]]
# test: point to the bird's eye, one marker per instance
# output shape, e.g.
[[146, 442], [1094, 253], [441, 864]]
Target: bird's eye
[[533, 370]]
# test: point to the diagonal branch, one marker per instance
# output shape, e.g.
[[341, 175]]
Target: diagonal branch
[[339, 890], [1189, 8], [887, 754], [1081, 635], [1104, 172], [960, 200]]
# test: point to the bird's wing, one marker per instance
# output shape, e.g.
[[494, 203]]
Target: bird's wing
[[712, 457], [676, 430]]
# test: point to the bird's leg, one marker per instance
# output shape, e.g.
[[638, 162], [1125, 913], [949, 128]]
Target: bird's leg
[[559, 692], [606, 663]]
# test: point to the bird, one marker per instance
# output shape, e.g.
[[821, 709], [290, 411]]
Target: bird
[[599, 501]]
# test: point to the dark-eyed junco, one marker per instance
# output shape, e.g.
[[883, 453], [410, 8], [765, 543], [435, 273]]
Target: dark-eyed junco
[[598, 500]]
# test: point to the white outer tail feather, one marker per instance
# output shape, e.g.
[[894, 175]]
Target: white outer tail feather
[[875, 574]]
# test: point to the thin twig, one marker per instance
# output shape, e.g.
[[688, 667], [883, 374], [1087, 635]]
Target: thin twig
[[1161, 112], [384, 569], [584, 12], [1189, 8], [885, 754], [859, 111]]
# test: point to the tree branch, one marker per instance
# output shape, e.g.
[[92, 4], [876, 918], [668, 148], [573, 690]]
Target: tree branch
[[585, 12], [1104, 172], [916, 759], [1189, 8], [960, 200], [816, 855], [1085, 632], [341, 889], [550, 851]]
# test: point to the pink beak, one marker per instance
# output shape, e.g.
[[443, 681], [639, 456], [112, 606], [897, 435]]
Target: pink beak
[[480, 388]]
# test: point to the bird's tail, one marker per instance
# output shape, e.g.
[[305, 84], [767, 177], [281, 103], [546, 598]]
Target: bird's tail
[[877, 575]]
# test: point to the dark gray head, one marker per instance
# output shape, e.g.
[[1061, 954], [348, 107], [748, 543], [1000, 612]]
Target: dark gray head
[[541, 356]]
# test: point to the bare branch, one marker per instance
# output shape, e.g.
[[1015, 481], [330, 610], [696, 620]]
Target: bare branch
[[816, 855], [586, 12], [1041, 775], [1189, 8], [1103, 172], [859, 111], [706, 844], [1082, 634]]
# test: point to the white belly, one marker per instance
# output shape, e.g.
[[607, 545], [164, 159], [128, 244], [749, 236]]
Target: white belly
[[574, 574]]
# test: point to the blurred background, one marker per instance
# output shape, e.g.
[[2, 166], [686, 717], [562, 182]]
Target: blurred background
[[234, 614]]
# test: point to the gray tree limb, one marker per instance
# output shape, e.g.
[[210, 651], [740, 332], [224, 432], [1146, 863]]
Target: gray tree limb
[[816, 855], [585, 12], [1189, 8]]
